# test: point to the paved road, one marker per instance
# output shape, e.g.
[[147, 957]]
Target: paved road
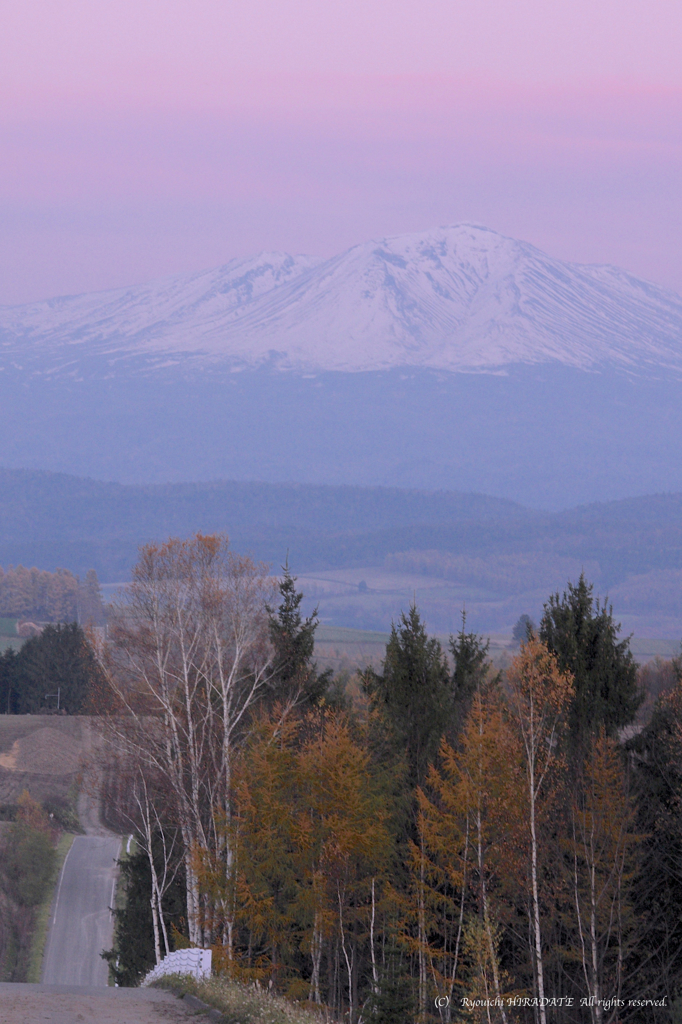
[[82, 924]]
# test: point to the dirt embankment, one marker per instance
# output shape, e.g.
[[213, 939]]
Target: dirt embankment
[[44, 754]]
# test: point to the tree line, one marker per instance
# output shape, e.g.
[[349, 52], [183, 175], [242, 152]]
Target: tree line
[[50, 596], [54, 671], [27, 865], [447, 841]]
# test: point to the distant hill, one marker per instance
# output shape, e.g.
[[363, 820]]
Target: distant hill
[[58, 520], [448, 549]]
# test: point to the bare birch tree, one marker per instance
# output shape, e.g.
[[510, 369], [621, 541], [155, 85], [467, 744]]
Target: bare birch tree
[[188, 657], [150, 834]]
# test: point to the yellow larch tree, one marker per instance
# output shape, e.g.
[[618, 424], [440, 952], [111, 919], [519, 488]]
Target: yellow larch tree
[[538, 699]]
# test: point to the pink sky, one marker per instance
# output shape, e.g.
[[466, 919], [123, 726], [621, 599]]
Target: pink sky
[[158, 136]]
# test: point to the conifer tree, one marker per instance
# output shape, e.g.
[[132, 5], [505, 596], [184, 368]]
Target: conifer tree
[[470, 658], [657, 753], [413, 694], [8, 694], [314, 854], [132, 954], [90, 605], [524, 624], [59, 661], [466, 816], [293, 638], [581, 634], [394, 1002]]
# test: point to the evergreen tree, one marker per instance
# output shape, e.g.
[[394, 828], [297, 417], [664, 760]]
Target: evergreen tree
[[413, 694], [470, 659], [395, 1001], [8, 689], [132, 955], [293, 638], [59, 661], [583, 637], [524, 626], [656, 753]]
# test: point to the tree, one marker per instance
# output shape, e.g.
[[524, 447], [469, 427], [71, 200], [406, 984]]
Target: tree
[[394, 1001], [313, 851], [657, 890], [471, 665], [8, 683], [30, 859], [481, 942], [413, 694], [133, 953], [523, 625], [90, 605], [60, 663], [344, 839], [188, 660], [36, 594], [583, 637], [27, 863], [603, 854], [539, 695], [293, 639], [466, 813]]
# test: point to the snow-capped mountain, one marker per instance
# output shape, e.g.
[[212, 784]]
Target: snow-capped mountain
[[453, 358], [460, 298]]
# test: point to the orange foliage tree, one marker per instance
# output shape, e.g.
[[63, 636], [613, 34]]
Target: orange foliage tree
[[538, 699], [464, 824], [603, 851], [312, 854]]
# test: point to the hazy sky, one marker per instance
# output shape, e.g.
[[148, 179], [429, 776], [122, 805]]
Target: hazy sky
[[148, 137]]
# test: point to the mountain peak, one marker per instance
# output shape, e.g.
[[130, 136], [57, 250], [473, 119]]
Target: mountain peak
[[455, 298]]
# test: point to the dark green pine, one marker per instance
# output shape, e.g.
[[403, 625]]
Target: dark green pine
[[582, 634]]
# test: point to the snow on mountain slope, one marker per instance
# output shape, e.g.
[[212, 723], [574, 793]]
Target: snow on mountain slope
[[168, 317], [455, 298]]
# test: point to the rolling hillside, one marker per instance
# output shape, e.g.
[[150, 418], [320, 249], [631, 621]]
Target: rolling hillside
[[363, 553]]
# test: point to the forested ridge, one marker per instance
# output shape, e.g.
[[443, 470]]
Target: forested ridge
[[425, 842], [81, 524]]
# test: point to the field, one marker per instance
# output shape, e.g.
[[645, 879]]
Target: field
[[43, 754], [347, 650], [373, 596]]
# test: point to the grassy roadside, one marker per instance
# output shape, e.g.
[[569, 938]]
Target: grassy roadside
[[43, 912], [244, 1003]]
